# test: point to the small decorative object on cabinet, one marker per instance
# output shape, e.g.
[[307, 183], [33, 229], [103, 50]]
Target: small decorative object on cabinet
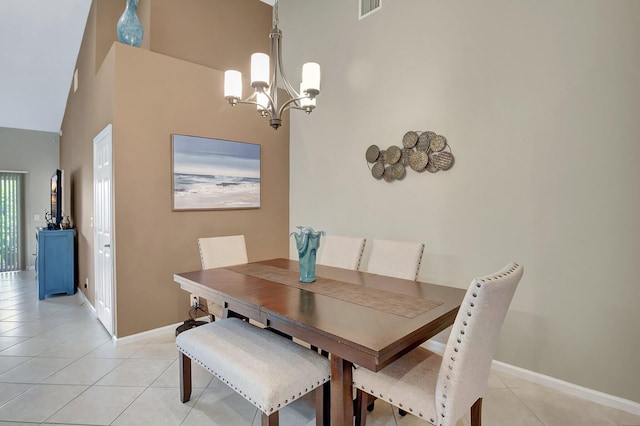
[[129, 27], [66, 223], [307, 243], [56, 265]]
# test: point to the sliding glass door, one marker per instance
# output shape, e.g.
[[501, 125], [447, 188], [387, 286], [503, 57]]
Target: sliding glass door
[[11, 187]]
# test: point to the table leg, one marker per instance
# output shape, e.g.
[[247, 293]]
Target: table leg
[[341, 393]]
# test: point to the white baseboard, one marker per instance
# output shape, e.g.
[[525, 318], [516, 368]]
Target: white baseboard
[[568, 388], [85, 300], [553, 383], [139, 336], [150, 333]]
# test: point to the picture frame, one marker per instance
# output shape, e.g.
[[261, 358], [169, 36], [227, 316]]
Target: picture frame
[[214, 174]]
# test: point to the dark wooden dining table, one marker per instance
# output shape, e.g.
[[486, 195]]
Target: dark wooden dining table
[[358, 317]]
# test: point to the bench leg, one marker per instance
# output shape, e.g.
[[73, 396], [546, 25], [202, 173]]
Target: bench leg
[[185, 378], [271, 420], [323, 405], [361, 408]]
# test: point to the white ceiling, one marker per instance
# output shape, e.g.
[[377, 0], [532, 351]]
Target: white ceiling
[[39, 41]]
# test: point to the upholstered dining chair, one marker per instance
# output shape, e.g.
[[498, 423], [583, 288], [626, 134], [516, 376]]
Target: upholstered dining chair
[[218, 252], [439, 389], [394, 258], [341, 252]]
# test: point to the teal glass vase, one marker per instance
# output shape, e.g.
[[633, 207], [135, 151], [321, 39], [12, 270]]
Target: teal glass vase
[[129, 27], [307, 243]]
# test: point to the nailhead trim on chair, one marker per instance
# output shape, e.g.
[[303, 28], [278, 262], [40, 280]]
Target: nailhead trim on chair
[[461, 332], [450, 365], [419, 263]]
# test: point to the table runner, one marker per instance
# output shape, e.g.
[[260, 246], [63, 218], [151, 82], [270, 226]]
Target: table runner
[[381, 300]]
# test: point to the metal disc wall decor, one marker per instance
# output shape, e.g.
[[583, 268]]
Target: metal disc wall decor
[[373, 152], [377, 170], [418, 160], [392, 154], [442, 160], [409, 140], [398, 171], [432, 168], [438, 143], [404, 158], [420, 151], [388, 174]]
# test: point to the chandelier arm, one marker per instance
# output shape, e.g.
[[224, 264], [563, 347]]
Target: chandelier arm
[[288, 105], [288, 87], [239, 101], [270, 109]]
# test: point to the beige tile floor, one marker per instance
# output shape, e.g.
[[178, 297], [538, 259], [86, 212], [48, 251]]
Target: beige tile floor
[[58, 366]]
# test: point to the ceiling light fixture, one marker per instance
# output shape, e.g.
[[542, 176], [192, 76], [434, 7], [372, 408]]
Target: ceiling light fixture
[[266, 74]]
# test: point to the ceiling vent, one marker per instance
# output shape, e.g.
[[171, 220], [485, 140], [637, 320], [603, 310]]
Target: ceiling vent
[[367, 7]]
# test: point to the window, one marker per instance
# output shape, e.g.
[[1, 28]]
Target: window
[[11, 184]]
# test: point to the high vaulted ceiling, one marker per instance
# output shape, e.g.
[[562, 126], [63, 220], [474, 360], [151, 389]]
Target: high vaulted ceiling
[[39, 45], [39, 41]]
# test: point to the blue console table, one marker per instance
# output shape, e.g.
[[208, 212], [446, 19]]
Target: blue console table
[[56, 264]]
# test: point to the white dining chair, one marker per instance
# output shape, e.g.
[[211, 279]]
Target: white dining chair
[[341, 252], [397, 259], [218, 252], [440, 389]]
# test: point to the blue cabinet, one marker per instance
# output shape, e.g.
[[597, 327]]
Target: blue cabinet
[[56, 265]]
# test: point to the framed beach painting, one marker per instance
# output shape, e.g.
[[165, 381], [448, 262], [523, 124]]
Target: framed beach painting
[[212, 174]]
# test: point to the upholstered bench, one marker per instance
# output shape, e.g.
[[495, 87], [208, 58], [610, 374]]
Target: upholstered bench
[[268, 370]]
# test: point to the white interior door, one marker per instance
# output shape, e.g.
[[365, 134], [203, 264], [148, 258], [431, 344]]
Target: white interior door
[[103, 228]]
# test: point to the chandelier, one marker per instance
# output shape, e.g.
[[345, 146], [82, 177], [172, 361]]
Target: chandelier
[[266, 74]]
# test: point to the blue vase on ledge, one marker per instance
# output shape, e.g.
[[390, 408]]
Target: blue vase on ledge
[[129, 27], [307, 243]]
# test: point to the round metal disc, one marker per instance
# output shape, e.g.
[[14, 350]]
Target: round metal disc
[[392, 154], [409, 140], [422, 145], [388, 174], [398, 171], [426, 136], [432, 168], [418, 160], [438, 143], [404, 158], [377, 170], [442, 160], [373, 152]]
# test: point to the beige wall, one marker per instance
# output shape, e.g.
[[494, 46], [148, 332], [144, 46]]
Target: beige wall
[[156, 96], [147, 96], [88, 111], [209, 32], [540, 102]]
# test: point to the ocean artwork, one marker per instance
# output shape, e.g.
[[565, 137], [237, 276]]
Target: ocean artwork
[[215, 174]]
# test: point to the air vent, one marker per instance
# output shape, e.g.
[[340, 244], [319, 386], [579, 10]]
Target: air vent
[[367, 7]]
